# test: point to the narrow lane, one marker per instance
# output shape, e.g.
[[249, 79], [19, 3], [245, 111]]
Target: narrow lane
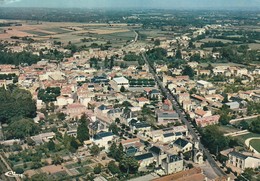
[[177, 108]]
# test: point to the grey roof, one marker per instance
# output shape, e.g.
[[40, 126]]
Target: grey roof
[[178, 133], [155, 91], [131, 150], [113, 111], [102, 107], [168, 115], [168, 135], [144, 156], [181, 142], [237, 154], [103, 135], [155, 149], [141, 125]]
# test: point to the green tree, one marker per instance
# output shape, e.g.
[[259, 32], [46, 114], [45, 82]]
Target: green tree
[[49, 94], [113, 168], [94, 150], [243, 125], [22, 128], [12, 104], [120, 152], [117, 120], [19, 171], [106, 63], [73, 144], [157, 42], [97, 169], [51, 145], [122, 89], [82, 130], [113, 150], [225, 115], [188, 71], [61, 116], [113, 127], [178, 54], [40, 177], [56, 159], [128, 165], [214, 139], [255, 125]]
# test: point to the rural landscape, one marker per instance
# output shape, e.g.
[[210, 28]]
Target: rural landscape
[[129, 94]]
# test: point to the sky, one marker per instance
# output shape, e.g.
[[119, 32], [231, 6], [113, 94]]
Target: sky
[[160, 4]]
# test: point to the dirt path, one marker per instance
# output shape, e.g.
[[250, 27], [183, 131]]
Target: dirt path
[[247, 142]]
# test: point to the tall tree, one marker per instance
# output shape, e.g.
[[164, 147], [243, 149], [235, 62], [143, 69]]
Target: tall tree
[[113, 150], [82, 130], [113, 168], [129, 165], [94, 150], [113, 127], [214, 139], [178, 54], [188, 71]]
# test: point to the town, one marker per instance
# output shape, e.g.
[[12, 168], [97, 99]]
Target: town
[[131, 99]]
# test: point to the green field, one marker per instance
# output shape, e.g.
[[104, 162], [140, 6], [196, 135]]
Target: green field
[[255, 144], [38, 33]]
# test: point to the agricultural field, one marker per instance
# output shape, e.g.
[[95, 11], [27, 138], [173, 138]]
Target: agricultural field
[[157, 34], [117, 34], [214, 40]]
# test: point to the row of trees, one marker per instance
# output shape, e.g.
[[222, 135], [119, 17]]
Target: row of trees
[[254, 126], [134, 57], [18, 58]]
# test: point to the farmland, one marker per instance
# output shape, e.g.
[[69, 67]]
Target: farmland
[[117, 34]]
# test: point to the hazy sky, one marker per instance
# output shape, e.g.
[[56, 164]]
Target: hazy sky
[[133, 3]]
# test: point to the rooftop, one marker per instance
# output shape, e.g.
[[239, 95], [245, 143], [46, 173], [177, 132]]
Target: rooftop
[[102, 135], [144, 156]]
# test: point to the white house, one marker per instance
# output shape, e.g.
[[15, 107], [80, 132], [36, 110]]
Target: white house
[[118, 82], [204, 84], [242, 161], [103, 139], [181, 145], [144, 159]]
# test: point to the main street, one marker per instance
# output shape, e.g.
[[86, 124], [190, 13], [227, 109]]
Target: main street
[[181, 113]]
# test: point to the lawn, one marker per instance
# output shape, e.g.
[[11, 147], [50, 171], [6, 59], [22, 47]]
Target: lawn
[[228, 129], [255, 144]]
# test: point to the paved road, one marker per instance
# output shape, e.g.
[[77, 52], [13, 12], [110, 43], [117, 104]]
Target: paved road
[[192, 130]]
